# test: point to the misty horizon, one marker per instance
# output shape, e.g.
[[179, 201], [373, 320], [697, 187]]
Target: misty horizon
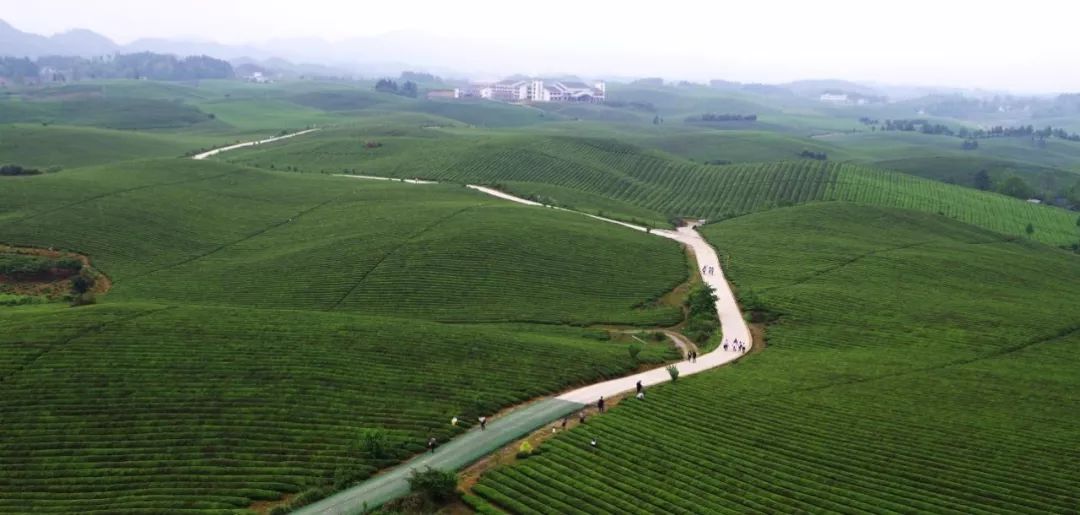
[[960, 45]]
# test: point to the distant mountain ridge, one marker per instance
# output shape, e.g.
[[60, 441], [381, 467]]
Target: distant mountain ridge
[[77, 42]]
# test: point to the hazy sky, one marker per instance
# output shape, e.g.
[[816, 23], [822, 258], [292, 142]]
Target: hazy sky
[[991, 43]]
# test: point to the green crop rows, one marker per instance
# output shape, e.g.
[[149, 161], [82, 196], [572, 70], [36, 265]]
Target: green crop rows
[[570, 170], [216, 234], [950, 389], [259, 320], [146, 408]]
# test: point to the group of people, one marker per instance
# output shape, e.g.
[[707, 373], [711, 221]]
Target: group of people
[[433, 442], [601, 407], [691, 355], [737, 346], [708, 270]]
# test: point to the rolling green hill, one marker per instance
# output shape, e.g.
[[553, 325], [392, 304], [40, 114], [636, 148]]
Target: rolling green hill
[[132, 407], [260, 320], [211, 233], [915, 364], [105, 112], [65, 146], [657, 183]]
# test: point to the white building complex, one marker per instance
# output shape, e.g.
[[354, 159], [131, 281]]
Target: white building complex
[[539, 90]]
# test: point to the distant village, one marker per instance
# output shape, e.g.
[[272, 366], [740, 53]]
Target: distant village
[[528, 90]]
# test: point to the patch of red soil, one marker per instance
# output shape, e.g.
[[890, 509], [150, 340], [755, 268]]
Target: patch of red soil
[[57, 281]]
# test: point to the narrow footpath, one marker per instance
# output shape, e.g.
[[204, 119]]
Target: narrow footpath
[[475, 444], [216, 151]]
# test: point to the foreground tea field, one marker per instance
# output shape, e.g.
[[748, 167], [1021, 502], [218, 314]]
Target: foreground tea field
[[140, 408], [626, 181], [916, 365]]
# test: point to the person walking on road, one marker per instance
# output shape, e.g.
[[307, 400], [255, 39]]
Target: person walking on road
[[639, 387], [431, 444], [483, 423], [600, 404]]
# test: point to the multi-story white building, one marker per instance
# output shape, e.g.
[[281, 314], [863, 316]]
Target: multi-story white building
[[539, 90]]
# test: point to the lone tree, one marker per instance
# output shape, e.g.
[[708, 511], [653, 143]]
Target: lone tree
[[982, 180]]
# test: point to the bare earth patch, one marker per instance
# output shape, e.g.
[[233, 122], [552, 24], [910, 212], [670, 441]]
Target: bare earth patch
[[54, 283]]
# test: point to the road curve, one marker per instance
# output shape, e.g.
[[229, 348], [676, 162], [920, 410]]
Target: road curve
[[475, 444]]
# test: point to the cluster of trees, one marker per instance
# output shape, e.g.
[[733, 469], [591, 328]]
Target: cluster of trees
[[638, 106], [146, 65], [18, 68], [726, 117], [407, 89], [409, 76], [1012, 186], [868, 121], [23, 265], [969, 144], [12, 170], [1021, 131], [1015, 186], [810, 154], [918, 125], [702, 320], [925, 127], [649, 81]]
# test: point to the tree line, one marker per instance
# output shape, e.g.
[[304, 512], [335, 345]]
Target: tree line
[[725, 117], [997, 131], [144, 65], [407, 89]]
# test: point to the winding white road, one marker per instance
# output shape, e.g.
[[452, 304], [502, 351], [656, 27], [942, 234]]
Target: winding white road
[[473, 445], [732, 323], [216, 151]]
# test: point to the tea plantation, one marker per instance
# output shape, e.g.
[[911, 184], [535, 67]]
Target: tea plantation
[[260, 320], [142, 408], [913, 365], [629, 182], [208, 233]]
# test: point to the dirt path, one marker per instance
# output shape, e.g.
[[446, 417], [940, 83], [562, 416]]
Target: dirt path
[[216, 151]]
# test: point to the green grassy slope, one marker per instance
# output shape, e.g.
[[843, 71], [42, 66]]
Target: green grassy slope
[[110, 113], [917, 365], [656, 183], [211, 233], [150, 408], [65, 146], [738, 146]]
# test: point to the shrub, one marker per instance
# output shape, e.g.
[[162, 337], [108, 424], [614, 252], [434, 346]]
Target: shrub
[[11, 170], [634, 349], [83, 299], [374, 442], [81, 284], [673, 371], [525, 450], [436, 485]]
